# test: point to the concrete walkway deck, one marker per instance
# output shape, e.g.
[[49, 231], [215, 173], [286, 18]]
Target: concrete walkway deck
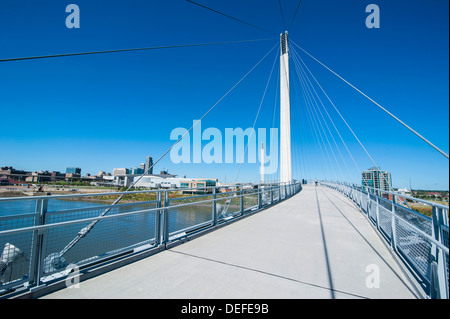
[[316, 245]]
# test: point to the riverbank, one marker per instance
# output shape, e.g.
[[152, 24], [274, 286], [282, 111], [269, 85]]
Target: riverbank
[[23, 191], [19, 191]]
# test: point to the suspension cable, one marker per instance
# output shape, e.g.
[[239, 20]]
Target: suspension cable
[[326, 112], [320, 112], [282, 14], [377, 104], [340, 136], [256, 119], [228, 16], [313, 124], [343, 119], [295, 14], [127, 50], [88, 228]]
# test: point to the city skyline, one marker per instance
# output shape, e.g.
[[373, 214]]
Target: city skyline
[[107, 111]]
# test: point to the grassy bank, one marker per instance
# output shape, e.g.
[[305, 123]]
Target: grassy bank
[[423, 209]]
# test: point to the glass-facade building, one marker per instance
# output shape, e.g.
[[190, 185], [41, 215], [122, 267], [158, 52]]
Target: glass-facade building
[[73, 170], [148, 165], [376, 178]]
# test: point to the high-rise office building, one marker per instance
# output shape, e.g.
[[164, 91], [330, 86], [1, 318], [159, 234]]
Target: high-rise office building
[[148, 164], [73, 170], [376, 178]]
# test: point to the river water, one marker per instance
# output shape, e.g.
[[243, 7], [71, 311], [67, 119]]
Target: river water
[[107, 237]]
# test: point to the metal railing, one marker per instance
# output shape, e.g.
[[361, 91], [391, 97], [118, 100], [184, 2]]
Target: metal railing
[[42, 238], [421, 241]]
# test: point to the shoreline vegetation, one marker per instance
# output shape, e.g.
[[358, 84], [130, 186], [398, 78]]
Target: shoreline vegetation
[[422, 209], [249, 200]]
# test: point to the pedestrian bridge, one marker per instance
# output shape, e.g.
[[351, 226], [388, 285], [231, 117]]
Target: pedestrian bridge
[[269, 241], [316, 244]]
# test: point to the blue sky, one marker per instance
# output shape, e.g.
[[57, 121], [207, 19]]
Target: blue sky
[[112, 110]]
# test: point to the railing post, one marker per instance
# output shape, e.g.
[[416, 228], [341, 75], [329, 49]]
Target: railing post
[[439, 283], [165, 218], [214, 207], [393, 226], [378, 212], [271, 195], [361, 199], [368, 203], [242, 201], [259, 196], [38, 240], [158, 219]]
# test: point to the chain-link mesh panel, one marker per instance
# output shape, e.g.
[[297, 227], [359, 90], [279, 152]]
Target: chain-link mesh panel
[[420, 221], [265, 196], [384, 213], [276, 194], [445, 234], [229, 206], [16, 250], [364, 202], [108, 236], [250, 198], [189, 199], [413, 245], [373, 209], [186, 217], [446, 265]]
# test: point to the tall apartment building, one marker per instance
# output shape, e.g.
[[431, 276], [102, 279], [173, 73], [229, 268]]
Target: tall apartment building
[[374, 177]]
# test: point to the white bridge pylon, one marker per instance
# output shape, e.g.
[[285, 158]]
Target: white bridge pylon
[[285, 112]]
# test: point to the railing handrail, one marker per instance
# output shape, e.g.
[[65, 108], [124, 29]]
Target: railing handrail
[[79, 221], [112, 193], [429, 237], [435, 271], [396, 194], [43, 227], [43, 265]]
